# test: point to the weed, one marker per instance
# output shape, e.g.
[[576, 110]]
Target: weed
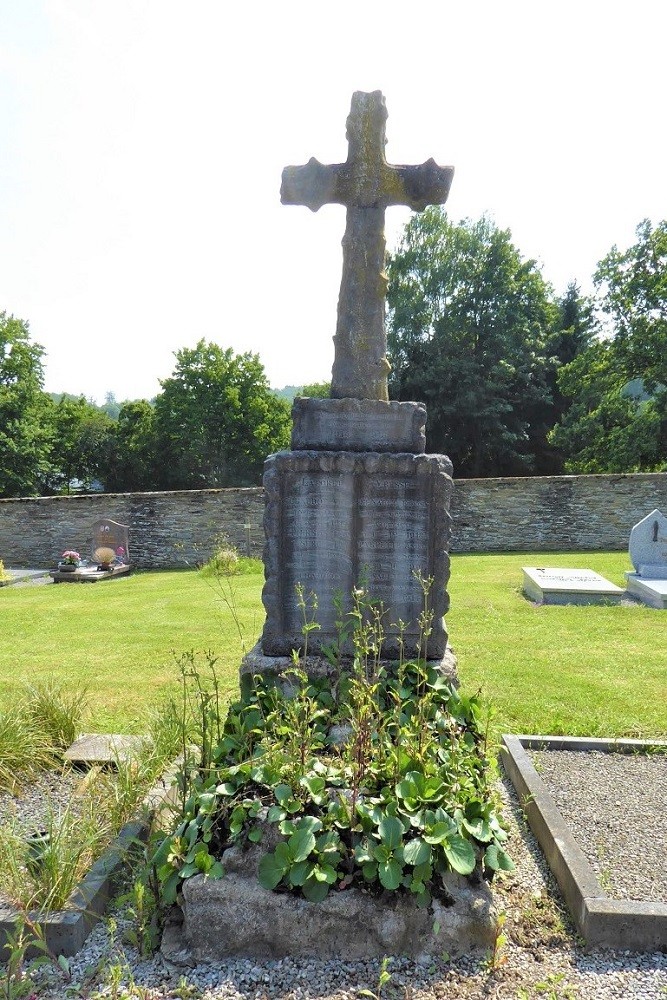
[[496, 957], [16, 980], [384, 977]]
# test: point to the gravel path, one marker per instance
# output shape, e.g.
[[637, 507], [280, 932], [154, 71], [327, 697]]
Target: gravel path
[[541, 958], [615, 805]]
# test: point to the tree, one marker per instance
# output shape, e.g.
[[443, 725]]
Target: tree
[[468, 326], [633, 295], [617, 388], [317, 390], [217, 420], [133, 461], [82, 435], [24, 433]]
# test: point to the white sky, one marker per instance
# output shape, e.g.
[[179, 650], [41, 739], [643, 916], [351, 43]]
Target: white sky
[[142, 143]]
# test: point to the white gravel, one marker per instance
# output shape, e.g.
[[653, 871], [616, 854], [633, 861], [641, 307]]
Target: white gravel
[[541, 958]]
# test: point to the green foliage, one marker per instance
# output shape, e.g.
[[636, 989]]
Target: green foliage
[[469, 322], [81, 441], [24, 431], [55, 710], [617, 388], [317, 390], [134, 458], [217, 420], [405, 799]]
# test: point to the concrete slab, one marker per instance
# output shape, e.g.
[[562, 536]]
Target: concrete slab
[[554, 585], [603, 922], [649, 591], [102, 748]]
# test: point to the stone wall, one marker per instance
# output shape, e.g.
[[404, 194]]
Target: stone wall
[[489, 515]]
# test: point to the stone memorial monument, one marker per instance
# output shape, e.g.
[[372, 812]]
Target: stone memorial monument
[[648, 552], [357, 501]]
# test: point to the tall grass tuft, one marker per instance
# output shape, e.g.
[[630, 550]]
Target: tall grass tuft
[[24, 748], [74, 839], [54, 711]]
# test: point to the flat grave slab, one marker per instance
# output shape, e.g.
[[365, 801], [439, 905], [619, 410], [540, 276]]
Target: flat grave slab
[[87, 574], [648, 590], [554, 585], [632, 925], [102, 748]]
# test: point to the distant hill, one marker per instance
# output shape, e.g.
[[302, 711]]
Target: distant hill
[[288, 392]]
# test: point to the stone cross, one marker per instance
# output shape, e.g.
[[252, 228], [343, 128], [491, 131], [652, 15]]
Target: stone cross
[[365, 184]]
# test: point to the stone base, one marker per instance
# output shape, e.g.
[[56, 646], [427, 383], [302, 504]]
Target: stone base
[[318, 667], [649, 591], [358, 425], [569, 586], [235, 916]]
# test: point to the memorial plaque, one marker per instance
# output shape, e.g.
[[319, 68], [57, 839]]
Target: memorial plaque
[[554, 585], [338, 520]]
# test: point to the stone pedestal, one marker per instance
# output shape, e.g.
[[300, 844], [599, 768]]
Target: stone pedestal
[[339, 519]]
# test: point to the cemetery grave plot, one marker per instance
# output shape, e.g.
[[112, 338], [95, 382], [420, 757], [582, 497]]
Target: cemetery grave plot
[[110, 556], [598, 815], [66, 817]]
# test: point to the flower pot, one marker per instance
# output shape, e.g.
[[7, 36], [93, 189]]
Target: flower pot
[[67, 567]]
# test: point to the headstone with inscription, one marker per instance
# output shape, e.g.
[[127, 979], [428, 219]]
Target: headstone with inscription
[[648, 552], [357, 501]]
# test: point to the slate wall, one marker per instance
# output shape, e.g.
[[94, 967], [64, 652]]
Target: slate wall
[[489, 515]]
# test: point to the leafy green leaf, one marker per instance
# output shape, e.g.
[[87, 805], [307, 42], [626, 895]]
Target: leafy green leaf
[[498, 860], [390, 874], [315, 891], [271, 870], [300, 844], [391, 831], [417, 852], [460, 854]]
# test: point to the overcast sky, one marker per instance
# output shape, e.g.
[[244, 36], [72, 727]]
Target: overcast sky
[[142, 143]]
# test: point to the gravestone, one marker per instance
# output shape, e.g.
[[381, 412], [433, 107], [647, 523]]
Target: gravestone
[[552, 585], [111, 535], [648, 553], [357, 502]]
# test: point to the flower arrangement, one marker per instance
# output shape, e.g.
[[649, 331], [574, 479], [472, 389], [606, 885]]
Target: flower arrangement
[[120, 554], [70, 557]]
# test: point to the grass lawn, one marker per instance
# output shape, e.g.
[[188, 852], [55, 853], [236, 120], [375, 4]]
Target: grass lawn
[[578, 670]]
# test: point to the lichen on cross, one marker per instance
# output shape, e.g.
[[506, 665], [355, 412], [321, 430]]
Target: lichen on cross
[[366, 184]]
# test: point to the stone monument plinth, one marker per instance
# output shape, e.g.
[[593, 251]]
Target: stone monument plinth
[[648, 552]]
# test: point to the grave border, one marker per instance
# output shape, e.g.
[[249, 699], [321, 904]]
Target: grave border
[[634, 925], [66, 930]]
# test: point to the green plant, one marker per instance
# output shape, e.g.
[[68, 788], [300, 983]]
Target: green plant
[[16, 981], [72, 840], [406, 799], [142, 909], [24, 748], [55, 710], [496, 957], [384, 977]]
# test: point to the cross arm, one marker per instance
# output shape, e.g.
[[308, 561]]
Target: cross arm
[[312, 184], [418, 186]]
